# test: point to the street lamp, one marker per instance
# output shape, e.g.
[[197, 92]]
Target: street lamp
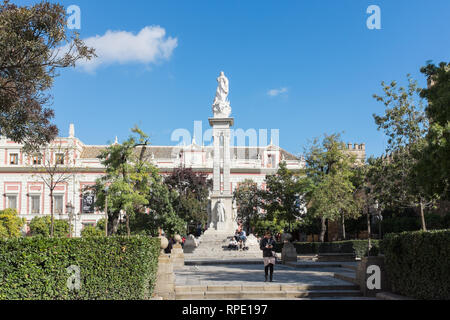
[[70, 212], [375, 208], [379, 217]]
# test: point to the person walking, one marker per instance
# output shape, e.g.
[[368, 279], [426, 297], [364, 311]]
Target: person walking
[[267, 246]]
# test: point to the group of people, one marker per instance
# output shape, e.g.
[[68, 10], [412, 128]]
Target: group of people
[[239, 240]]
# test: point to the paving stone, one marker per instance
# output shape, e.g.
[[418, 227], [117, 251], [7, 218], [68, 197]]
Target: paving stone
[[235, 280]]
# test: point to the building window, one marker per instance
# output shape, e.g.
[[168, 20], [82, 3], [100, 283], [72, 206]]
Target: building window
[[14, 158], [58, 204], [271, 161], [59, 158], [37, 160], [35, 204], [12, 202]]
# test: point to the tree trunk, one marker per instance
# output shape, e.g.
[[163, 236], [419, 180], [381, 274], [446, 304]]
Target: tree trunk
[[343, 226], [323, 230], [115, 223], [422, 216], [51, 213]]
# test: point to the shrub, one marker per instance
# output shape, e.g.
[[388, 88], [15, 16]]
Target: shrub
[[402, 224], [418, 263], [92, 232], [359, 247], [112, 268], [40, 226], [10, 224]]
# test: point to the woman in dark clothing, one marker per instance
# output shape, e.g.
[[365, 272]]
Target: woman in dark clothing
[[267, 246]]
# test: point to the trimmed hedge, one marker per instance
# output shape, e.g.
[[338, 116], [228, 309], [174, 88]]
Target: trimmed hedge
[[359, 247], [418, 263], [113, 268]]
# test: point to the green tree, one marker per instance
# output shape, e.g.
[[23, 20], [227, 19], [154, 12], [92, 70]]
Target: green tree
[[434, 167], [134, 186], [330, 190], [191, 191], [41, 226], [396, 177], [283, 196], [29, 60], [126, 181], [248, 201], [10, 224], [274, 225], [162, 214]]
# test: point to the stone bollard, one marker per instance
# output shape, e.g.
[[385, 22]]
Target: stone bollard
[[165, 279], [288, 252], [190, 244], [372, 276], [177, 254]]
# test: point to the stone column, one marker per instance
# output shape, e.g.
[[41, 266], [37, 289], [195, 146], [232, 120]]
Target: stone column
[[221, 127], [216, 163], [226, 163]]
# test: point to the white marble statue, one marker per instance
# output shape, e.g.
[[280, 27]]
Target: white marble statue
[[220, 211], [221, 105]]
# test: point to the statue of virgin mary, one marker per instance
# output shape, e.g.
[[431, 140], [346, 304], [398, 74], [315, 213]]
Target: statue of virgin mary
[[221, 105]]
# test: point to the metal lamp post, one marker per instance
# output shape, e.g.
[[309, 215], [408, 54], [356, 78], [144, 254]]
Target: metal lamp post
[[379, 217], [375, 208]]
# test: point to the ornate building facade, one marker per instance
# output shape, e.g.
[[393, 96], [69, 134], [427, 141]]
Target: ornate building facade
[[24, 189]]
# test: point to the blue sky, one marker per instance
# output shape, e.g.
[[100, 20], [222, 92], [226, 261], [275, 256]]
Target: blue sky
[[318, 55]]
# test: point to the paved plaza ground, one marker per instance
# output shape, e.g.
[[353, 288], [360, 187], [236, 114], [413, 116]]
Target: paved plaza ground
[[219, 278], [251, 274]]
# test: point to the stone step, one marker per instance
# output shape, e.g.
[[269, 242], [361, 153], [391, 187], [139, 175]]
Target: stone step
[[312, 265], [267, 287], [334, 257], [349, 266], [229, 295], [347, 276]]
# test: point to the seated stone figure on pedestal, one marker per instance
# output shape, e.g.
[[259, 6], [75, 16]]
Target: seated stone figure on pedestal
[[220, 211]]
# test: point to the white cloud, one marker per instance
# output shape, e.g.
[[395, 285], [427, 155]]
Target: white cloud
[[277, 92], [150, 45]]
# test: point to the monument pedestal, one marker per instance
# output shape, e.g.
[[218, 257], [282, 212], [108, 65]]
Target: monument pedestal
[[228, 226]]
